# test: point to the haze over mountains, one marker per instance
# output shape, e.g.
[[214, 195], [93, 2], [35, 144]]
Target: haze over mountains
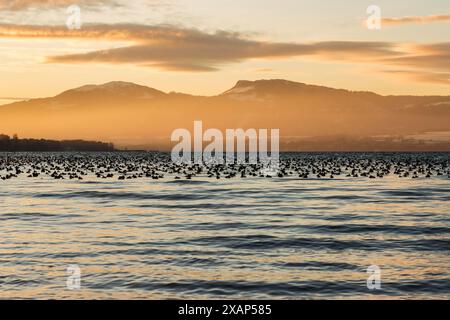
[[310, 118]]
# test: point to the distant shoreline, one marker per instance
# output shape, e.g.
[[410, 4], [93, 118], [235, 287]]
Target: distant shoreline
[[14, 144], [281, 152]]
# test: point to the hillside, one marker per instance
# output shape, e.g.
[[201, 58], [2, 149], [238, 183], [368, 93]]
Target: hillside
[[132, 115]]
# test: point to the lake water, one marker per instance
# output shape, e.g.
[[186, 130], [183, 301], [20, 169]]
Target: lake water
[[246, 238]]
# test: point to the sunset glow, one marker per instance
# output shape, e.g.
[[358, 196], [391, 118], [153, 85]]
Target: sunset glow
[[202, 47]]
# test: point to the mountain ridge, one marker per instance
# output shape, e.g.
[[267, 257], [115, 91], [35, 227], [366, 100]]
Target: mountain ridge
[[241, 86], [126, 113]]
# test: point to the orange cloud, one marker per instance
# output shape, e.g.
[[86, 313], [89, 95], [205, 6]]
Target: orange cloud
[[426, 56], [422, 76], [179, 49], [209, 53], [416, 19], [174, 48]]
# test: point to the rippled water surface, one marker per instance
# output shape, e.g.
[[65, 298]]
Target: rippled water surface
[[225, 238]]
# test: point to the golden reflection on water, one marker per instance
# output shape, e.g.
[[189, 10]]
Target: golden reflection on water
[[131, 239]]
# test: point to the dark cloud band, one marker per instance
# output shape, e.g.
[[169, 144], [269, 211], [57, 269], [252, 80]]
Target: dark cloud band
[[180, 49]]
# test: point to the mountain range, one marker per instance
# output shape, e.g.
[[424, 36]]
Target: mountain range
[[310, 117]]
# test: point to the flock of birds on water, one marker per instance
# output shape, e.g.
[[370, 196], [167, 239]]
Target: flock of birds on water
[[127, 166]]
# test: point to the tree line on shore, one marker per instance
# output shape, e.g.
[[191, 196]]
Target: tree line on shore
[[14, 144]]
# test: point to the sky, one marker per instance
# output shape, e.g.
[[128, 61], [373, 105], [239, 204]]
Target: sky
[[204, 46]]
